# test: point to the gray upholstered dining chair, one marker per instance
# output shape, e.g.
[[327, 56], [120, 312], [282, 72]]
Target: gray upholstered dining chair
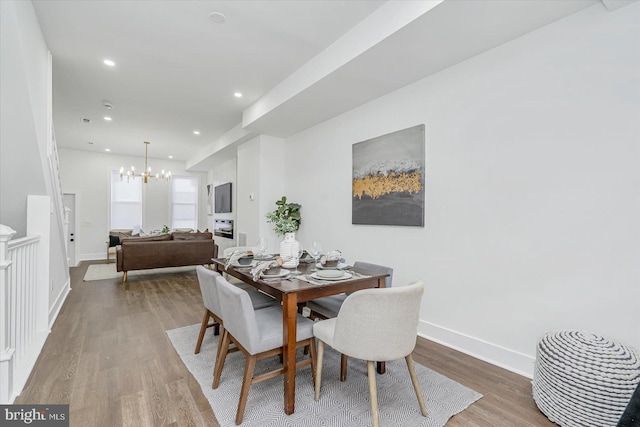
[[207, 281], [374, 325], [328, 307], [258, 334]]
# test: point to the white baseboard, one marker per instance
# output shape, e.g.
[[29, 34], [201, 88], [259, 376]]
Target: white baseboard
[[54, 310], [505, 358]]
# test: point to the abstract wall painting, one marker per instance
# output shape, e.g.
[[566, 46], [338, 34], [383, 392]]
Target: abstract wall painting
[[389, 178]]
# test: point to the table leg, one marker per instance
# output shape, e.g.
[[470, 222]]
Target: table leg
[[289, 320], [382, 366]]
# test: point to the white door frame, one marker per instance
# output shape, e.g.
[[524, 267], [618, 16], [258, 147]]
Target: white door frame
[[73, 262]]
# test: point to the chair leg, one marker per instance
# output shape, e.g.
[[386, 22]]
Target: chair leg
[[220, 358], [124, 276], [343, 367], [314, 358], [373, 392], [246, 385], [319, 368], [416, 384], [219, 349], [219, 362], [203, 329]]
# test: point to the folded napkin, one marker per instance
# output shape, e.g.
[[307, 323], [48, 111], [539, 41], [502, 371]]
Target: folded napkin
[[234, 257], [262, 266]]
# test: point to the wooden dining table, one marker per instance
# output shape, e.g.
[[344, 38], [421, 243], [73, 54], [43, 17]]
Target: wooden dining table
[[294, 292]]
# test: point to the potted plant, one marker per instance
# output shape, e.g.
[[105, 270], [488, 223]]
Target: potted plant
[[286, 217], [286, 221]]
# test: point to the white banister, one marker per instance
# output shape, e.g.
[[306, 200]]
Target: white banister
[[23, 329], [6, 350]]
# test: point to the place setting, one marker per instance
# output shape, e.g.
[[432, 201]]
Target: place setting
[[329, 268], [324, 267], [242, 259]]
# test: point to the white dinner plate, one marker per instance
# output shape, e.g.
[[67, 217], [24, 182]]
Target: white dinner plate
[[340, 266], [343, 277], [274, 276]]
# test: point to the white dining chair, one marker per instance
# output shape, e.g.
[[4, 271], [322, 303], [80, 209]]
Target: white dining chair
[[376, 325], [328, 307], [258, 334]]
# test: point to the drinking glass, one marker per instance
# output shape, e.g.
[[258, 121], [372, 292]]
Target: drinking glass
[[315, 251], [296, 256], [261, 248]]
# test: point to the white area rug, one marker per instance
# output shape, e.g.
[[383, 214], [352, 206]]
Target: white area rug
[[341, 403], [108, 271]]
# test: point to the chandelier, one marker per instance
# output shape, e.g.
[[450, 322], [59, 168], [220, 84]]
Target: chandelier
[[146, 173]]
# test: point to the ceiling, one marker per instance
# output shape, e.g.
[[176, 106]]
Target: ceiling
[[176, 70]]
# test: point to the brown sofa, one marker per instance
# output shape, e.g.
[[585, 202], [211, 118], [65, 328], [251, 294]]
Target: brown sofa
[[175, 249]]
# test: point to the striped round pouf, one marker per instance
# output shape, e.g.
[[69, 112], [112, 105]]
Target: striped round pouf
[[582, 379]]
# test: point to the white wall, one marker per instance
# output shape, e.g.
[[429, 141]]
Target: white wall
[[87, 174], [260, 172], [532, 189], [23, 111]]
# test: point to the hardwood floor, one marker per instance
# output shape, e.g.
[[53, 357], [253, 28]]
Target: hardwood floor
[[108, 357]]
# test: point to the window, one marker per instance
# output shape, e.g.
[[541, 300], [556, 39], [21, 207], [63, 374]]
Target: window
[[126, 202], [184, 202]]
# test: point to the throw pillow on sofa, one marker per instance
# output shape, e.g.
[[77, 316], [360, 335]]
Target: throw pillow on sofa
[[153, 238], [114, 241], [180, 235]]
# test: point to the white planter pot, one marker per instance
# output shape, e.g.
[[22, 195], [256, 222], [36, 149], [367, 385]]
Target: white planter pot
[[289, 248]]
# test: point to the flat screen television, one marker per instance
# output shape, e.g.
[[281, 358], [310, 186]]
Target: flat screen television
[[222, 198]]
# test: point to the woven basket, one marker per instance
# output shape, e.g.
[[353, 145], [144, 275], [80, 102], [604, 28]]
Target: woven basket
[[582, 379]]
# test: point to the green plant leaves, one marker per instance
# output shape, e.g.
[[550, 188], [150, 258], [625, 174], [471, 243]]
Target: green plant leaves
[[286, 217]]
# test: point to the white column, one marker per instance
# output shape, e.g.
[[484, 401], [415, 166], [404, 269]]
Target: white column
[[6, 352]]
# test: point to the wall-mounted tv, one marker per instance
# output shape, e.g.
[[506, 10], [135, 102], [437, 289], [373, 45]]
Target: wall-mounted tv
[[222, 197]]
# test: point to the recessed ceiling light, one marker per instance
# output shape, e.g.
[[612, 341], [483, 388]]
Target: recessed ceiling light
[[107, 149], [171, 157], [107, 118], [196, 132], [238, 95], [217, 17], [109, 62]]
